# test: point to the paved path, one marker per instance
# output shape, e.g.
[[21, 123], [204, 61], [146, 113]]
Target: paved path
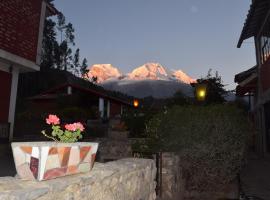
[[255, 177]]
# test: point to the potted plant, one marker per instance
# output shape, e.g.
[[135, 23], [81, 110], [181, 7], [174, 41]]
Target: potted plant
[[48, 160]]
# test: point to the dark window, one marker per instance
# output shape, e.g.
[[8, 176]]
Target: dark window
[[265, 42]]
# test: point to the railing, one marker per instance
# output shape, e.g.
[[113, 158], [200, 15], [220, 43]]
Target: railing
[[158, 158], [4, 132]]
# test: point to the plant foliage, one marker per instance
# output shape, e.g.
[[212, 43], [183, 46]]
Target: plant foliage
[[211, 141]]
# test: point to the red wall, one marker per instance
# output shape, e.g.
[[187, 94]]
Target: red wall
[[5, 87], [265, 75], [19, 27]]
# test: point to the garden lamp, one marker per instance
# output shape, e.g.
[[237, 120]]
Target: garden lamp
[[201, 91], [136, 103]]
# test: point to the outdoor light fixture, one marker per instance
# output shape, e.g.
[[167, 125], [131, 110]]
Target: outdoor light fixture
[[200, 92], [136, 103]]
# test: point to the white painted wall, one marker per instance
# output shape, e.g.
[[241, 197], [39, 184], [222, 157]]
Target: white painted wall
[[69, 90], [108, 109], [101, 107]]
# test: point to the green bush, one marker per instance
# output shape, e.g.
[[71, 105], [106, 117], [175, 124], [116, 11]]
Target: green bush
[[211, 141]]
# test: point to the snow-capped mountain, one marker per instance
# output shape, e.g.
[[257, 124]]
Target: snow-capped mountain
[[148, 71], [152, 71], [103, 72], [155, 71], [180, 75], [150, 79]]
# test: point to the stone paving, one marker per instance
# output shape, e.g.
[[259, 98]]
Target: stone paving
[[255, 177]]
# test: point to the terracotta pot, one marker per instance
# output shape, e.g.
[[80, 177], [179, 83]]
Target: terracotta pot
[[48, 160]]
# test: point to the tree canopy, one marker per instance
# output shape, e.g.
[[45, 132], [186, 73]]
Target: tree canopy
[[57, 47]]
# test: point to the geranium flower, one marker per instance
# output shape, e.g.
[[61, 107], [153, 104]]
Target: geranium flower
[[74, 127], [79, 126], [70, 127], [53, 119]]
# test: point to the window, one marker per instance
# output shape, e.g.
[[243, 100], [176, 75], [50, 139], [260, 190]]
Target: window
[[265, 42]]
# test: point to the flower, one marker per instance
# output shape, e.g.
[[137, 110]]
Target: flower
[[70, 127], [79, 126], [53, 119], [74, 127], [72, 132]]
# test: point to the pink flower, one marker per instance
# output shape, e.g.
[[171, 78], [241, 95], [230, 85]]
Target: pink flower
[[53, 119], [70, 127], [79, 126], [74, 127]]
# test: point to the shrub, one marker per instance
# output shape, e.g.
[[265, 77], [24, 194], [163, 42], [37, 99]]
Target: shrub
[[211, 141]]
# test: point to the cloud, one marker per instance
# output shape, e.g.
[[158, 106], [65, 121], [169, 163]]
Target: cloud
[[194, 9]]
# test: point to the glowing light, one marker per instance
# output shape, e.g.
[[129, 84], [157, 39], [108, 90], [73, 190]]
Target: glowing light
[[135, 103], [201, 92]]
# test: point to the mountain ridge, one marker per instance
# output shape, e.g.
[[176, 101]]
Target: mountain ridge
[[148, 71]]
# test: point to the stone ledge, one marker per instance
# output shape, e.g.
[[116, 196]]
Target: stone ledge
[[126, 179]]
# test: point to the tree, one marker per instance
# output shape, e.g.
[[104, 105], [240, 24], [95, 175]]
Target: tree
[[84, 66], [94, 79], [48, 46], [58, 53], [76, 62], [215, 88], [64, 52]]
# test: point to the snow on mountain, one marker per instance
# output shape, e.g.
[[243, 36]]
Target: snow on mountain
[[103, 72], [155, 71], [180, 75], [152, 71], [148, 71]]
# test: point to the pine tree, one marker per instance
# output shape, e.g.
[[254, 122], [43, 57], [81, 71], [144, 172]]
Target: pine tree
[[64, 53], [76, 63], [84, 66], [58, 53], [48, 46]]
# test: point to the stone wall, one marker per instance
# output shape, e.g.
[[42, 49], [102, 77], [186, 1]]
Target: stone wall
[[126, 179], [172, 182]]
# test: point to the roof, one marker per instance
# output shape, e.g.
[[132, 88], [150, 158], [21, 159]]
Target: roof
[[245, 74], [255, 17], [247, 81], [43, 83]]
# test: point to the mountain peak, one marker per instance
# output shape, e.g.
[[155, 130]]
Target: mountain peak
[[180, 75], [103, 72], [153, 71]]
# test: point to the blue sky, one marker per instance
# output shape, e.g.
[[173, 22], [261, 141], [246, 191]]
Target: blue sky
[[191, 35]]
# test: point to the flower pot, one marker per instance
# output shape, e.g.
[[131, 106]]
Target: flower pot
[[48, 160]]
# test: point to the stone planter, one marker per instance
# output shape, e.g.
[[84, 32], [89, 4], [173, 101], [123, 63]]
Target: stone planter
[[48, 160]]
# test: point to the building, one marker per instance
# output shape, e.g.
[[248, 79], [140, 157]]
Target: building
[[255, 81], [21, 33], [50, 86]]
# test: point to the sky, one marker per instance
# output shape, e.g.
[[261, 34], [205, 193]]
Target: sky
[[191, 35]]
